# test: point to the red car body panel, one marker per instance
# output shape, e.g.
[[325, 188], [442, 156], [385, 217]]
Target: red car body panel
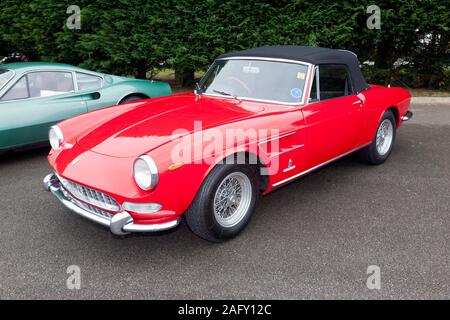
[[100, 147]]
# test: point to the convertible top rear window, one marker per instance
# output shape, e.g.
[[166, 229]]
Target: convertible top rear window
[[5, 76]]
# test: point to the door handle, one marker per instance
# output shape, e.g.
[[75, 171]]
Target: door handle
[[358, 102], [95, 95]]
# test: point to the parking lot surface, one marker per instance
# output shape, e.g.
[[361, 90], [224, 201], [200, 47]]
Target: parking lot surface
[[314, 238]]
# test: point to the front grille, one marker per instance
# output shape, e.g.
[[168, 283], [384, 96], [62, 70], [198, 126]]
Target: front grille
[[92, 209], [90, 196]]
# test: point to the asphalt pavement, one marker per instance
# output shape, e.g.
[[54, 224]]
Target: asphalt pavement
[[313, 239]]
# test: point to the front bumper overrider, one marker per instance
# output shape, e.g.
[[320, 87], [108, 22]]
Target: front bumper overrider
[[121, 223], [407, 116]]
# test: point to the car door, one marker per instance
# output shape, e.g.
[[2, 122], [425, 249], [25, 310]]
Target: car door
[[34, 103], [333, 114]]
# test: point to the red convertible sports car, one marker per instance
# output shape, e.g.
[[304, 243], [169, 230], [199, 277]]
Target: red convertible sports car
[[259, 119]]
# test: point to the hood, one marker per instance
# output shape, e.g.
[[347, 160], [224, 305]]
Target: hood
[[133, 131]]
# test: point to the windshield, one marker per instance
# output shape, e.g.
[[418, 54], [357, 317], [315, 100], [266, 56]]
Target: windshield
[[5, 76], [256, 79]]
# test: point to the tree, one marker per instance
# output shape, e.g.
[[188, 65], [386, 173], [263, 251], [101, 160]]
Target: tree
[[133, 37]]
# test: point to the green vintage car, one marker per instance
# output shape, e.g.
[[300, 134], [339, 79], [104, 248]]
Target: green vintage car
[[36, 95]]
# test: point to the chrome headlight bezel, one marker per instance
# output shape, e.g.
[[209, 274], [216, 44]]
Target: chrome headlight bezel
[[55, 137], [145, 172]]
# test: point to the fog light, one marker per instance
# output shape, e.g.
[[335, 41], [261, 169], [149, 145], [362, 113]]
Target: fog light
[[145, 208]]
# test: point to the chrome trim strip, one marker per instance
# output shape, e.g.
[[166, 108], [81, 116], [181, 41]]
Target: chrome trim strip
[[7, 81], [317, 72], [291, 149], [284, 135], [75, 81], [318, 166], [267, 59], [308, 80], [278, 138], [314, 73]]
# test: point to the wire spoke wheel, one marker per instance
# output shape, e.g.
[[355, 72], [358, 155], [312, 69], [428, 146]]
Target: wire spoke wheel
[[385, 136], [232, 199]]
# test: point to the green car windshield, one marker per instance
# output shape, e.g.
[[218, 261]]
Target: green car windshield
[[272, 81], [5, 76]]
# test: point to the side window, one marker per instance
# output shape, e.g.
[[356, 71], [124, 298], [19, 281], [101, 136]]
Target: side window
[[334, 81], [46, 84], [313, 95], [18, 91], [87, 81]]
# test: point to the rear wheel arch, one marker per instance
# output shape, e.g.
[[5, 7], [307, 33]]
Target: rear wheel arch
[[396, 113], [371, 154], [131, 95]]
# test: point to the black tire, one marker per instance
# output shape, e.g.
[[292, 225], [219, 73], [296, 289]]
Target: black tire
[[371, 154], [131, 99], [201, 218]]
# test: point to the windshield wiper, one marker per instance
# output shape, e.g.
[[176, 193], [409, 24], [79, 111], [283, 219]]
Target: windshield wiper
[[224, 93], [198, 89]]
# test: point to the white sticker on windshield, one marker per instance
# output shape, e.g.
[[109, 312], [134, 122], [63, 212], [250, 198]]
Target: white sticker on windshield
[[248, 69], [301, 75]]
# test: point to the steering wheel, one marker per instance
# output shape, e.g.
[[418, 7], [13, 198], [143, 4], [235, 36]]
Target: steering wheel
[[240, 82]]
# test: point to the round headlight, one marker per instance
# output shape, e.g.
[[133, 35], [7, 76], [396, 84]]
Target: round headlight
[[56, 137], [145, 172]]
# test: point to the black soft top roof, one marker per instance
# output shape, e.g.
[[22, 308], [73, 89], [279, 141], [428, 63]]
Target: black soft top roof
[[313, 55]]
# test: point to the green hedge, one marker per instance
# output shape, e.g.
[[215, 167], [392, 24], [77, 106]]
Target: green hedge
[[136, 36]]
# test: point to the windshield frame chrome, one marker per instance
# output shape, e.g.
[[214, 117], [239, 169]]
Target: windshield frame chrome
[[13, 74], [309, 66]]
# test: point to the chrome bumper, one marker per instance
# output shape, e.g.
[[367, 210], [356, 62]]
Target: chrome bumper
[[120, 224], [407, 116]]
